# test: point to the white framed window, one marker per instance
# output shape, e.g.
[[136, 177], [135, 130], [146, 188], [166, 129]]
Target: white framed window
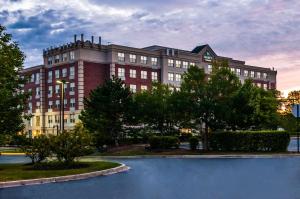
[[57, 73], [209, 68], [258, 85], [192, 64], [252, 74], [72, 87], [185, 64], [65, 87], [132, 58], [49, 60], [153, 61], [50, 119], [57, 103], [132, 88], [154, 76], [72, 102], [143, 60], [266, 86], [121, 73], [177, 64], [65, 102], [258, 75], [232, 70], [56, 118], [246, 73], [65, 57], [50, 91], [265, 75], [132, 73], [32, 78], [170, 62], [37, 78], [37, 92], [170, 76], [178, 77], [72, 55], [56, 59], [144, 87], [64, 72], [144, 74], [72, 118], [50, 104], [72, 72], [121, 57], [57, 89], [238, 71], [49, 76]]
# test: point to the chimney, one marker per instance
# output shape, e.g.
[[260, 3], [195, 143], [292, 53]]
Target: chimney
[[92, 40], [81, 38], [75, 39]]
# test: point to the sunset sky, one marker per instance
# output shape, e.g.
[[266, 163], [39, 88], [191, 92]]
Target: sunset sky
[[261, 32]]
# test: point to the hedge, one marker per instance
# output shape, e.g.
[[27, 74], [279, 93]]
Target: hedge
[[249, 141], [163, 142]]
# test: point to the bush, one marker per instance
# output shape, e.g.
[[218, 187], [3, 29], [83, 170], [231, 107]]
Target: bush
[[163, 142], [37, 149], [249, 141], [194, 142]]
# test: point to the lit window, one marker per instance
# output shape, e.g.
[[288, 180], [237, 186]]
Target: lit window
[[177, 88], [72, 55], [178, 77], [192, 64], [64, 72], [72, 87], [56, 59], [56, 74], [209, 68], [65, 57], [132, 73], [49, 76], [72, 72], [72, 102], [121, 57], [178, 64], [252, 74], [49, 119], [154, 76], [50, 92], [121, 73], [170, 76], [132, 58], [72, 118], [238, 71], [132, 88], [246, 73], [170, 62], [185, 64], [171, 89], [265, 75], [265, 86], [258, 75], [37, 120], [144, 74], [50, 105], [37, 78], [143, 60], [49, 60], [154, 61], [232, 70], [144, 87], [258, 85], [57, 89]]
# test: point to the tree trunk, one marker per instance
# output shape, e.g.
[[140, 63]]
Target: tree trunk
[[205, 138]]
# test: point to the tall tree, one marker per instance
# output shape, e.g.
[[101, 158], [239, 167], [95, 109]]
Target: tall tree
[[12, 100], [105, 110]]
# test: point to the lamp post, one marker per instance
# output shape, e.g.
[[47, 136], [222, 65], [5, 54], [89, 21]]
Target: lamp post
[[62, 105]]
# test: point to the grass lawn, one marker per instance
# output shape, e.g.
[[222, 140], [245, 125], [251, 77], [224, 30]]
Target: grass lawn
[[10, 172], [10, 150]]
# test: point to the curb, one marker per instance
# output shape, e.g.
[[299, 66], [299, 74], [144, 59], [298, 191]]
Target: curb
[[9, 153], [119, 169]]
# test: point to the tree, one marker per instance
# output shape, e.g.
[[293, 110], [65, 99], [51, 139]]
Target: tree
[[105, 111], [12, 100]]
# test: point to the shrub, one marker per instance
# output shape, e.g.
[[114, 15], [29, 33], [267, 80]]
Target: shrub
[[194, 142], [249, 141], [37, 149], [163, 142]]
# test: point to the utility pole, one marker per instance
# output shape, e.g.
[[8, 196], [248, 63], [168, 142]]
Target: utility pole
[[62, 104]]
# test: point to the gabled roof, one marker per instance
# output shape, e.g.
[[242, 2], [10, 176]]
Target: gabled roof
[[202, 49], [198, 49]]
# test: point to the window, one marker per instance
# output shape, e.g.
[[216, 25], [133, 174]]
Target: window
[[121, 73], [65, 102], [143, 60], [252, 74], [57, 89], [57, 104], [64, 72], [32, 78], [154, 76], [72, 118], [56, 74], [246, 73], [177, 88], [30, 106], [265, 86], [171, 89], [170, 62], [178, 77], [30, 92], [121, 57], [154, 61], [72, 72], [72, 102], [37, 92], [209, 68], [132, 58], [56, 117], [132, 88], [65, 57], [72, 55], [192, 64], [49, 76], [258, 85], [170, 76], [37, 78], [38, 105], [65, 87], [56, 59], [178, 64], [49, 60], [232, 70], [144, 87], [258, 75], [144, 74], [132, 73], [50, 92], [72, 87], [37, 120], [238, 71], [265, 75], [49, 119], [185, 64], [50, 105]]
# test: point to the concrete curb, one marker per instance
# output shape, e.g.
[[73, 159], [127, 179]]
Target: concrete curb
[[121, 168]]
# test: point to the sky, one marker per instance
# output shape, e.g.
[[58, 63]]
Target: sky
[[261, 32]]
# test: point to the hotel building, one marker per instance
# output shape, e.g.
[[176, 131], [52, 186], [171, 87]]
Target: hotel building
[[85, 64]]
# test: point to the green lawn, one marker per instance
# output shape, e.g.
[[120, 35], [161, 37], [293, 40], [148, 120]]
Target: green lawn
[[10, 172], [10, 150]]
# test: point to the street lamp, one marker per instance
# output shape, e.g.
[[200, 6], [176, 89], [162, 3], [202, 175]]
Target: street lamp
[[62, 105]]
